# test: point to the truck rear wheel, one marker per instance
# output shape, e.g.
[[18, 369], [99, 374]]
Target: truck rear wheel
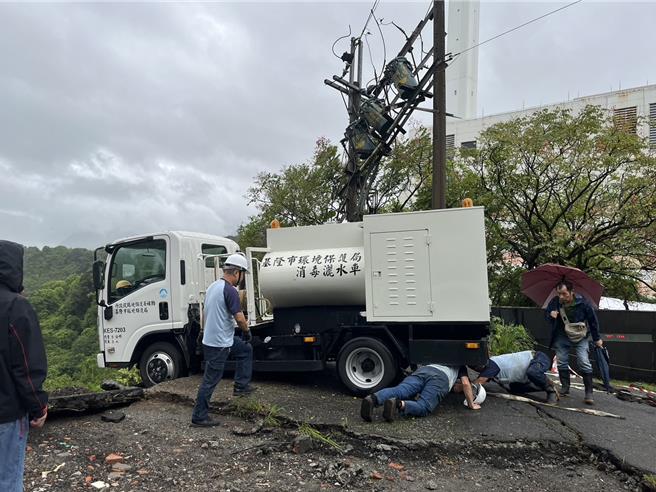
[[366, 365], [160, 362]]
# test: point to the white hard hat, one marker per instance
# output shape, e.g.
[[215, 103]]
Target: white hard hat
[[479, 394], [237, 260]]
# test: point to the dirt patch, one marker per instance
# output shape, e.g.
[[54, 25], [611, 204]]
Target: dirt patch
[[158, 450]]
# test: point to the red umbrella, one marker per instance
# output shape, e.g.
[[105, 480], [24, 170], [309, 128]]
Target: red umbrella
[[540, 283]]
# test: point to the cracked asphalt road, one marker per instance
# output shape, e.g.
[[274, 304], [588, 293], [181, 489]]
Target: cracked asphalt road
[[321, 400], [157, 450], [506, 446]]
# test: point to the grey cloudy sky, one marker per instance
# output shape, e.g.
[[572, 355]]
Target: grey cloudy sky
[[119, 119]]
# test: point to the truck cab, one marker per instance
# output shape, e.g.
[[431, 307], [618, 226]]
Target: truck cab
[[150, 291]]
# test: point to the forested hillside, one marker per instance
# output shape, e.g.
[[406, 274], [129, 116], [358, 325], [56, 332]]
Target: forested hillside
[[59, 286], [44, 265]]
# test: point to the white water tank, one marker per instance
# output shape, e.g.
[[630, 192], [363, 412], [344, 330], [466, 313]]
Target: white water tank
[[314, 277], [427, 266]]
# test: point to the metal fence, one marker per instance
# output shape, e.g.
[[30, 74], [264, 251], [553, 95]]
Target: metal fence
[[629, 335]]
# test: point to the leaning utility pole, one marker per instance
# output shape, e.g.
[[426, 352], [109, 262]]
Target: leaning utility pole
[[378, 113], [353, 175], [439, 108]]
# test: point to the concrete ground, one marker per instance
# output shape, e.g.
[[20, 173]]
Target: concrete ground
[[320, 400]]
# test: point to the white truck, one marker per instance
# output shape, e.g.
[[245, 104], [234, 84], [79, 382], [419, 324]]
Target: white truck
[[374, 297]]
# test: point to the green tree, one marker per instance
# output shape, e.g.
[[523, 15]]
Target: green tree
[[398, 181], [58, 263], [403, 181], [568, 188], [302, 194], [67, 315]]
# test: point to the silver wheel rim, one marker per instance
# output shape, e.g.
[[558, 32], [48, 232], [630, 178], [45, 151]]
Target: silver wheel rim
[[160, 367], [365, 368]]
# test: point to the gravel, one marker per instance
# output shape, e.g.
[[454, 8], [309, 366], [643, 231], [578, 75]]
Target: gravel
[[158, 450]]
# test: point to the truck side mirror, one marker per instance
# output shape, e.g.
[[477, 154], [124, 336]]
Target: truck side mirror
[[98, 275]]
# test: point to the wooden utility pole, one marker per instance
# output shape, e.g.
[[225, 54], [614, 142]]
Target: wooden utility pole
[[360, 172], [439, 107], [353, 189]]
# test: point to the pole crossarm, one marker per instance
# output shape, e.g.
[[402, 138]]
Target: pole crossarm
[[359, 172]]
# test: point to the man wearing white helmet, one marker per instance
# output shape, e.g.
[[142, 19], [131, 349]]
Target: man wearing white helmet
[[520, 372], [420, 393], [477, 389], [222, 310]]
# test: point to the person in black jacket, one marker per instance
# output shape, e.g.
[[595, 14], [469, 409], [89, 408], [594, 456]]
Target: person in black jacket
[[572, 307], [23, 369]]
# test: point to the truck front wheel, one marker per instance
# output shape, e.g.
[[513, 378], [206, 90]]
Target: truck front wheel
[[160, 362], [366, 365]]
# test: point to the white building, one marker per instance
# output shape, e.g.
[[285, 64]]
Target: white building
[[462, 73], [626, 105]]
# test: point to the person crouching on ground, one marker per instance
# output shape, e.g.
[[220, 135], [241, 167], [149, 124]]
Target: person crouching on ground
[[519, 372], [418, 394]]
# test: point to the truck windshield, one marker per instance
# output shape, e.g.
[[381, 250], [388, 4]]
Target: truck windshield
[[136, 265]]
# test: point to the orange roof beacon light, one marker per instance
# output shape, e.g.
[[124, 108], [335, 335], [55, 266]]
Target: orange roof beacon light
[[467, 203], [275, 224]]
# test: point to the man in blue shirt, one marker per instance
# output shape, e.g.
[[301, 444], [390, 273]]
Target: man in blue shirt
[[519, 372], [576, 309], [419, 394], [222, 311]]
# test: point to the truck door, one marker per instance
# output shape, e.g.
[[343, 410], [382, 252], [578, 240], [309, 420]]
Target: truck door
[[400, 270], [139, 295]]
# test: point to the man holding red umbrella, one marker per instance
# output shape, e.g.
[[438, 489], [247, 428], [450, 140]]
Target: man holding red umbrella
[[573, 321], [570, 313]]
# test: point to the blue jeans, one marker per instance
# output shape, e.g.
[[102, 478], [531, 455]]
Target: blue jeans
[[562, 344], [13, 441], [535, 374], [429, 383], [215, 358]]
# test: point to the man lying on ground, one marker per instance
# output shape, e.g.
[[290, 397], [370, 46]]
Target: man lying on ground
[[520, 372], [418, 394]]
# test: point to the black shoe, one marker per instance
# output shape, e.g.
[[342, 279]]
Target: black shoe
[[244, 391], [564, 382], [208, 422], [587, 381], [552, 396], [367, 408], [552, 393], [391, 409]]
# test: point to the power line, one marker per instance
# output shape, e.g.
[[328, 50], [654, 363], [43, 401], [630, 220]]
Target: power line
[[392, 23], [373, 65], [382, 37], [371, 14], [344, 100], [332, 48], [518, 27], [430, 8]]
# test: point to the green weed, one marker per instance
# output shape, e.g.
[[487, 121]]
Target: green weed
[[315, 435], [508, 338]]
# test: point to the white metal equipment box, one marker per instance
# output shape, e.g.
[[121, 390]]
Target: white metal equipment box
[[426, 266]]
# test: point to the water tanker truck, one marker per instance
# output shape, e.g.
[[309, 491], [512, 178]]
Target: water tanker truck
[[372, 298]]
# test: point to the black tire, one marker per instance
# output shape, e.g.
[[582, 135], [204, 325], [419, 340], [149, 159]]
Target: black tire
[[366, 365], [160, 362]]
